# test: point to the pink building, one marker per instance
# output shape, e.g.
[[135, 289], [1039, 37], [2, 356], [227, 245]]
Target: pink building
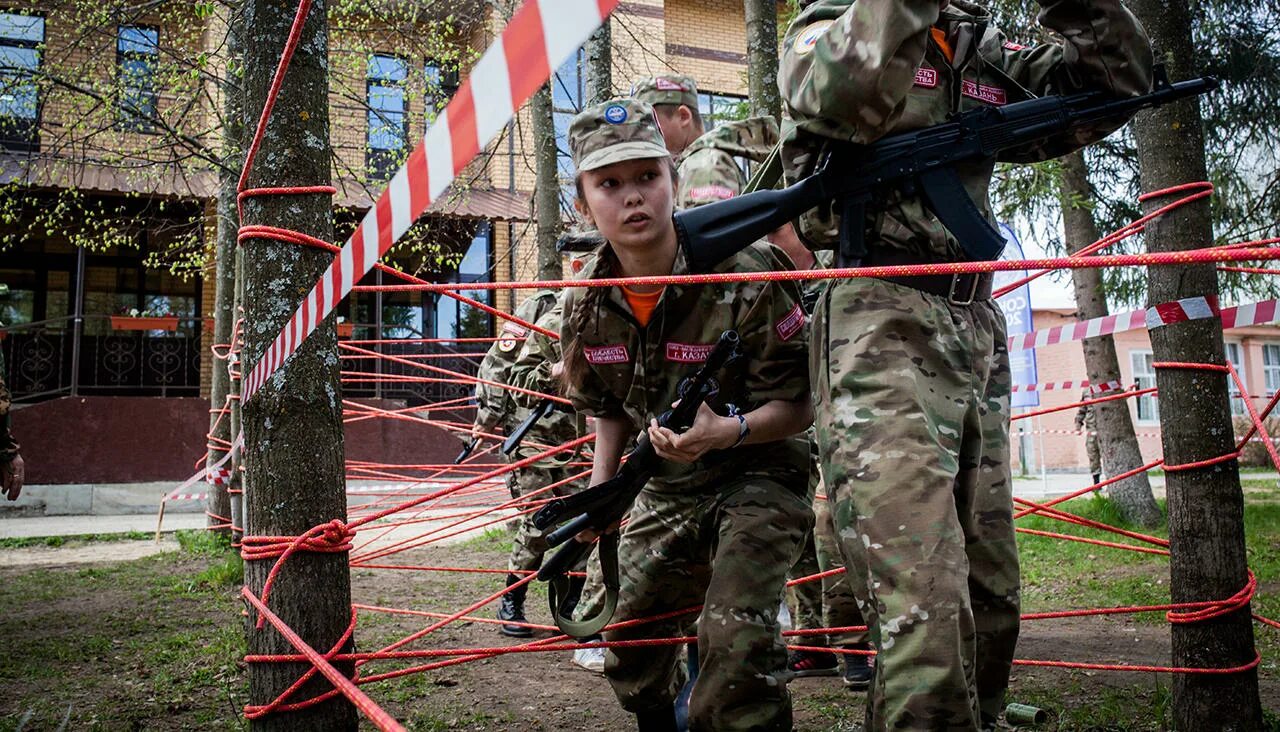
[[1051, 438]]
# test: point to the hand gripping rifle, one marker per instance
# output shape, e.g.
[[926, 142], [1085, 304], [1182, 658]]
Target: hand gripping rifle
[[922, 160], [539, 413], [601, 506]]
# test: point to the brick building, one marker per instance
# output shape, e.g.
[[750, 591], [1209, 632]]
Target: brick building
[[91, 105], [1050, 440]]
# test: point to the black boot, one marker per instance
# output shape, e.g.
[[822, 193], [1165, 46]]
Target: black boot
[[512, 610], [662, 719], [1097, 478], [571, 598]]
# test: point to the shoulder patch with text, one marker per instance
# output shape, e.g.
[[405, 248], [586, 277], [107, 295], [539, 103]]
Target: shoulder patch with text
[[516, 331], [603, 355], [926, 77], [720, 193], [1011, 46], [791, 323], [689, 352], [989, 94]]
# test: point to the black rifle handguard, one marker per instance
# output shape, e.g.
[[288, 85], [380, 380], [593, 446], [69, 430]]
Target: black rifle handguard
[[922, 160], [466, 451]]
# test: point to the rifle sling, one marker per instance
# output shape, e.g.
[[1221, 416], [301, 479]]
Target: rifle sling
[[559, 587]]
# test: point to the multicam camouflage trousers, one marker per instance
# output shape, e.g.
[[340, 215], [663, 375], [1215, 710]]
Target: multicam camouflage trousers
[[728, 551], [912, 418], [530, 543], [825, 603]]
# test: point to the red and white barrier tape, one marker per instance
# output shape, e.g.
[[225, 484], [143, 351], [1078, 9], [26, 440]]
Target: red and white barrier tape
[[1192, 309], [203, 475], [1083, 384], [537, 40]]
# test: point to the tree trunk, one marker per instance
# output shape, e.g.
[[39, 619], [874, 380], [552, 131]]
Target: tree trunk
[[762, 57], [1206, 507], [1118, 443], [236, 485], [547, 198], [224, 313], [293, 424], [599, 71]]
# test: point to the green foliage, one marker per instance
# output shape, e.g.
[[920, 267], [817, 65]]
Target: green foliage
[[59, 541], [200, 541], [1239, 43]]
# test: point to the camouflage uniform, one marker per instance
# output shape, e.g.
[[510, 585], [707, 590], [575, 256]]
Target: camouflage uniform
[[532, 371], [722, 532], [1087, 421], [912, 388], [707, 169], [496, 408], [8, 446], [829, 603]]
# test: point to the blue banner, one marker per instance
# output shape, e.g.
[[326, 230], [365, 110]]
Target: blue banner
[[1017, 313]]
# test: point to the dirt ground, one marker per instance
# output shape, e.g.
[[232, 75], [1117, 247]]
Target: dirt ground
[[154, 644]]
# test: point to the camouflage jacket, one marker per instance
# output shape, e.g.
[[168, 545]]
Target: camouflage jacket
[[8, 447], [532, 371], [495, 407], [633, 372], [1086, 416], [708, 171], [858, 71]]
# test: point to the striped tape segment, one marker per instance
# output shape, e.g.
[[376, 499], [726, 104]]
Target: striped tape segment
[[1161, 315], [538, 39], [1069, 386]]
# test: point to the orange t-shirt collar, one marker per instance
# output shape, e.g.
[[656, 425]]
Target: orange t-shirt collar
[[940, 38], [642, 304]]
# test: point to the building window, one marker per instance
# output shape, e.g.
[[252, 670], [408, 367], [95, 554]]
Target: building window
[[388, 119], [137, 55], [455, 319], [1238, 408], [716, 109], [1271, 367], [1144, 377], [441, 84], [21, 40]]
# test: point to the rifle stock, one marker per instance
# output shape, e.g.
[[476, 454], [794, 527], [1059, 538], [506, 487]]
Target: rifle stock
[[922, 160], [466, 451]]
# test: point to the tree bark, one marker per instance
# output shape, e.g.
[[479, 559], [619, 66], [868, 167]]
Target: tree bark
[[293, 424], [224, 314], [762, 57], [547, 173], [1206, 507], [599, 71], [1116, 438]]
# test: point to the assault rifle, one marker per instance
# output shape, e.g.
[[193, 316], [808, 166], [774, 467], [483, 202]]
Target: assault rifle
[[851, 176], [539, 413], [601, 506]]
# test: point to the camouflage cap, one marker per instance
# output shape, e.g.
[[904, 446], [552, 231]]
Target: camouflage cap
[[667, 89], [614, 131]]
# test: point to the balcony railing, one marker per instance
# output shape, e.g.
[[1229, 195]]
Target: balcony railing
[[46, 359]]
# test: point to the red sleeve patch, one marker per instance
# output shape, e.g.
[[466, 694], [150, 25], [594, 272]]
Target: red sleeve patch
[[688, 352], [720, 193], [1011, 46], [603, 355], [791, 323], [926, 77]]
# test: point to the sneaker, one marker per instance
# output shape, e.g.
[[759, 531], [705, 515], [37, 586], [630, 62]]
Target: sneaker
[[812, 663], [591, 659], [857, 671]]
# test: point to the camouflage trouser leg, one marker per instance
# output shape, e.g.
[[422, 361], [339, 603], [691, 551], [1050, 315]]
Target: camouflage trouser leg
[[1095, 455], [729, 552], [912, 413], [530, 544], [839, 606]]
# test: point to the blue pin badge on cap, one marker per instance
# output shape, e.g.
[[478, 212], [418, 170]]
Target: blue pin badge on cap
[[615, 114]]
